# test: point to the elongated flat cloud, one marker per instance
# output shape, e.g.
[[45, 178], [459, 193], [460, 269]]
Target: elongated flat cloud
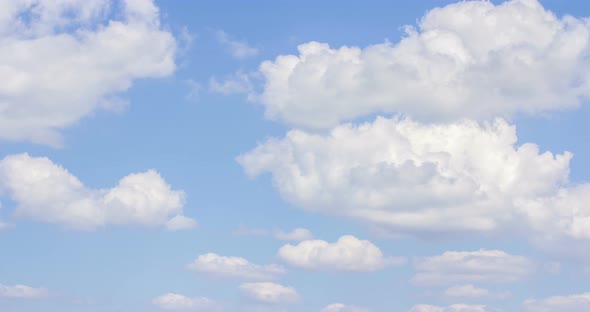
[[62, 60], [348, 253], [298, 234], [270, 293], [471, 59], [408, 176], [22, 292], [452, 308], [467, 291], [177, 302], [489, 266], [339, 307], [235, 267], [46, 192], [569, 303]]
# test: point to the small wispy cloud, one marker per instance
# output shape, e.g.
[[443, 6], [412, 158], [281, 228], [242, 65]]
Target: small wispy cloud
[[237, 48]]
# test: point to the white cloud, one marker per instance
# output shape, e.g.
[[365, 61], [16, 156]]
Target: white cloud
[[412, 177], [181, 223], [237, 49], [571, 303], [237, 82], [234, 267], [467, 290], [47, 192], [339, 307], [298, 234], [22, 292], [347, 254], [470, 59], [62, 60], [270, 293], [471, 266], [451, 308], [179, 302]]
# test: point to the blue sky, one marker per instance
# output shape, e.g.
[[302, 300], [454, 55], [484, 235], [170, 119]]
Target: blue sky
[[294, 156]]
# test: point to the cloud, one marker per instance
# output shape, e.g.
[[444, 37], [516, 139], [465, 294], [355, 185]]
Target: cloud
[[270, 293], [181, 223], [339, 307], [23, 292], [234, 267], [235, 83], [451, 308], [491, 266], [178, 302], [470, 59], [63, 60], [46, 192], [413, 177], [298, 234], [237, 49], [571, 303], [347, 254], [467, 290]]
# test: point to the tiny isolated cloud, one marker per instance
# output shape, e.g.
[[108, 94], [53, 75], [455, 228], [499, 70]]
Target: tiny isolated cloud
[[22, 292], [470, 59], [452, 308], [298, 234], [339, 307], [46, 192], [234, 267], [271, 293], [348, 253], [235, 83], [97, 41], [237, 48], [487, 266], [178, 302], [566, 303]]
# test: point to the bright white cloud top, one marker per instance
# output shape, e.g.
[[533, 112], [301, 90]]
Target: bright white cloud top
[[469, 59], [177, 302], [22, 292], [235, 267], [62, 60], [348, 253], [46, 192], [489, 266], [272, 293]]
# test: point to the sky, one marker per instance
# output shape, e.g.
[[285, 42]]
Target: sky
[[419, 156]]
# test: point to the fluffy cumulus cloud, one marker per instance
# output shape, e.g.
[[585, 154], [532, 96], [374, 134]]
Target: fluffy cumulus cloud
[[339, 307], [22, 292], [491, 266], [46, 192], [409, 176], [234, 267], [451, 308], [469, 59], [62, 60], [272, 293], [177, 302], [571, 303], [348, 253]]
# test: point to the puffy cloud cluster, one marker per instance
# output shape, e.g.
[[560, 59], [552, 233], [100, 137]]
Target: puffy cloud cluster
[[235, 267], [272, 293], [490, 266], [348, 253], [410, 176], [62, 60], [46, 192], [179, 302], [22, 292], [571, 303], [471, 59]]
